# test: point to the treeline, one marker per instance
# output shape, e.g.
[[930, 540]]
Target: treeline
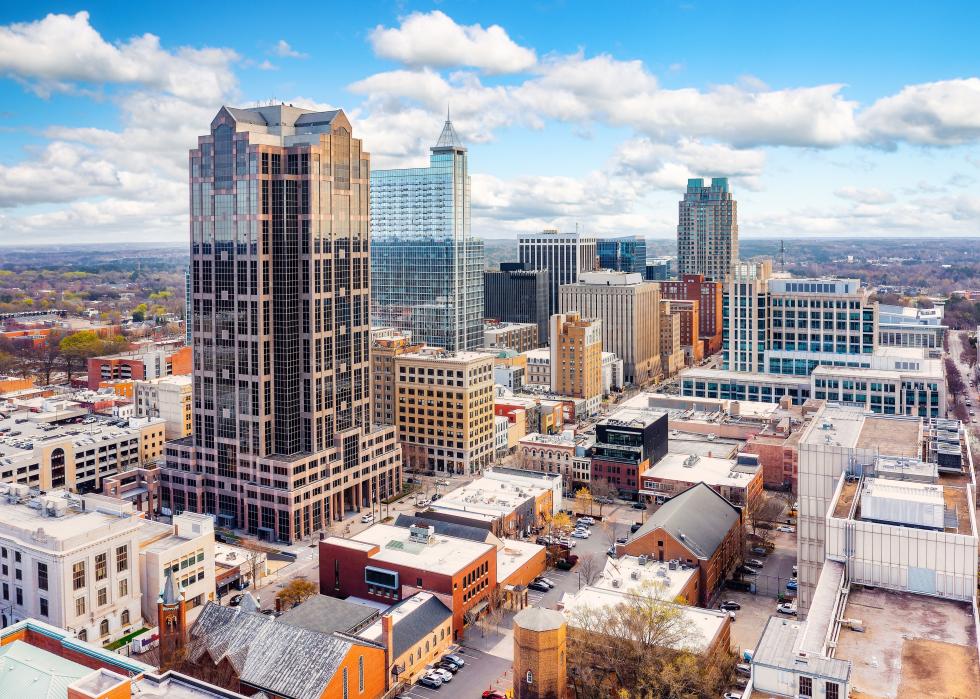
[[59, 353]]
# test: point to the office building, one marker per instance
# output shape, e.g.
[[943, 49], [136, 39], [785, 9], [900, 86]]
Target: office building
[[445, 410], [576, 358], [383, 353], [283, 441], [658, 269], [672, 355], [168, 398], [707, 230], [517, 295], [519, 337], [538, 368], [627, 254], [628, 308], [745, 313], [688, 313], [709, 297], [903, 326], [564, 256], [626, 444], [427, 267]]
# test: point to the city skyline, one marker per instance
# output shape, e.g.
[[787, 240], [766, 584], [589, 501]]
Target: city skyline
[[597, 124]]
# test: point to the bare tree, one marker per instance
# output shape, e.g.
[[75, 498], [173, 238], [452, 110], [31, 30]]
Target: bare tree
[[589, 568], [602, 490], [255, 560]]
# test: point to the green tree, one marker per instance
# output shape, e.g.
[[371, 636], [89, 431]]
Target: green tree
[[139, 313], [77, 348]]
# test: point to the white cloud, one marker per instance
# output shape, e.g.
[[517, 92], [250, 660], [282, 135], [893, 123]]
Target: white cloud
[[943, 113], [55, 53], [864, 196], [435, 39], [284, 50]]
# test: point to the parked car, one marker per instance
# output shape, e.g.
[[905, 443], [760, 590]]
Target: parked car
[[611, 551], [786, 609], [367, 518], [424, 502], [621, 539], [729, 605], [581, 533], [235, 600], [539, 586], [430, 680], [547, 581], [585, 520], [635, 527], [639, 506], [744, 669], [786, 528], [760, 550], [565, 541], [564, 564], [448, 666], [754, 562], [747, 570], [442, 673], [442, 481], [493, 694], [543, 540], [436, 496], [791, 585], [456, 658], [731, 695]]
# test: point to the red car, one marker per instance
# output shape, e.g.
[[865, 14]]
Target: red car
[[493, 694]]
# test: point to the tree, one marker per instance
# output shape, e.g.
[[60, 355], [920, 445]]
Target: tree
[[583, 499], [78, 348], [559, 522], [139, 313], [297, 591], [589, 568], [602, 490], [46, 357], [641, 648], [255, 558]]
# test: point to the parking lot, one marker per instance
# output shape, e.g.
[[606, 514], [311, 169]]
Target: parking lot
[[482, 671]]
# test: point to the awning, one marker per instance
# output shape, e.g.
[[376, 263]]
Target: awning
[[474, 612]]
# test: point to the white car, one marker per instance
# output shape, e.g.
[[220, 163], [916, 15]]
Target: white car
[[424, 502], [786, 609], [367, 518], [442, 673], [567, 542], [786, 529], [581, 533], [585, 520]]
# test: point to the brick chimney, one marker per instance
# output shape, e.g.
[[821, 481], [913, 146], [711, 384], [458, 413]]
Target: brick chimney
[[387, 634]]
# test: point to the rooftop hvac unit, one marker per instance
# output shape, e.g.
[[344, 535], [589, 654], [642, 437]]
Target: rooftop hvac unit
[[672, 565], [635, 574], [616, 582], [642, 560]]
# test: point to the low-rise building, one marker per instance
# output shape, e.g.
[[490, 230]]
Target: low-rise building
[[565, 453], [139, 485], [509, 369], [150, 362], [168, 398], [185, 549], [626, 443], [697, 528], [612, 373], [236, 568], [738, 480], [538, 367], [520, 337]]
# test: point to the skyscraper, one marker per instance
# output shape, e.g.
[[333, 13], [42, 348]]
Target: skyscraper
[[707, 230], [427, 267], [280, 284], [517, 295], [564, 255], [627, 254]]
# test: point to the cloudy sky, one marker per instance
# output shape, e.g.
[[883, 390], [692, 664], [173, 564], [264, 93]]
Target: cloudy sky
[[863, 121]]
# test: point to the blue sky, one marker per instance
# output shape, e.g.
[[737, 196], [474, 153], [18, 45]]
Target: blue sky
[[863, 121]]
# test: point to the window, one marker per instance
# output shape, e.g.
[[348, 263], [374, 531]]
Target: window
[[122, 559], [529, 678], [123, 587], [806, 687], [78, 575], [20, 595], [104, 627], [833, 690], [124, 618], [360, 674], [103, 596], [43, 603], [79, 606], [83, 635], [101, 566], [346, 695], [42, 576]]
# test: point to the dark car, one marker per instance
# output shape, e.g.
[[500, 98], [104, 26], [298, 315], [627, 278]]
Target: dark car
[[747, 570], [539, 586], [635, 527], [448, 664], [730, 606], [235, 601], [564, 564], [542, 541], [760, 550], [639, 506], [436, 496], [455, 658]]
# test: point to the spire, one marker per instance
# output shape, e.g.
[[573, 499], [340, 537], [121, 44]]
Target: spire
[[448, 138], [169, 595]]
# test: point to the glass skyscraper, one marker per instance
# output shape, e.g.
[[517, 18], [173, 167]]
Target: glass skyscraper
[[427, 268], [707, 230], [627, 254]]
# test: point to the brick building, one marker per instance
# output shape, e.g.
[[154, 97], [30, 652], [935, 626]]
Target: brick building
[[698, 527], [150, 363], [708, 294], [690, 315], [626, 444]]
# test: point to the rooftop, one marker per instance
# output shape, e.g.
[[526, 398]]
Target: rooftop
[[632, 417], [25, 431], [778, 645], [412, 619], [496, 493], [699, 518], [442, 554], [513, 554], [911, 646], [28, 671], [328, 614], [703, 445], [635, 573], [710, 470]]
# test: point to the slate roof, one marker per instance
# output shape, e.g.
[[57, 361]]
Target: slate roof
[[328, 614], [280, 659], [28, 671], [169, 595], [415, 626], [699, 518], [460, 531]]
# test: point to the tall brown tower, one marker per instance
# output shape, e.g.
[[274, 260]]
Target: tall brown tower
[[172, 622], [540, 658]]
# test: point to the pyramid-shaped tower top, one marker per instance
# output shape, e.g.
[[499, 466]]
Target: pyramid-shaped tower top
[[169, 595], [449, 138]]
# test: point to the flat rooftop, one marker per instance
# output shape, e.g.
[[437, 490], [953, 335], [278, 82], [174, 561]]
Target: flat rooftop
[[443, 554], [893, 436], [912, 646], [632, 417], [492, 497], [24, 431], [703, 408], [687, 443], [744, 377], [629, 575], [711, 470], [21, 521]]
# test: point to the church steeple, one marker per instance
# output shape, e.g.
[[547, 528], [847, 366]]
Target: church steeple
[[171, 621]]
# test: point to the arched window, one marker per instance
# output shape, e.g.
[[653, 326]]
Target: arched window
[[530, 677], [83, 635], [426, 646], [124, 618], [104, 627]]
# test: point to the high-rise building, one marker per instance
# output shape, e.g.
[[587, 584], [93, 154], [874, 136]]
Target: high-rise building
[[383, 353], [576, 358], [745, 317], [426, 265], [707, 229], [280, 240], [627, 254], [564, 255], [629, 309], [658, 269], [517, 295], [445, 410], [708, 294]]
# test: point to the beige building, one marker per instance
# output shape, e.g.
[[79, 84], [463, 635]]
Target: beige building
[[76, 457], [538, 368], [185, 549], [576, 358], [516, 336], [745, 332], [671, 349], [445, 410], [169, 398], [626, 305], [383, 353]]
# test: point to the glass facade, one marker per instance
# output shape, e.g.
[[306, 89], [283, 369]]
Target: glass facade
[[426, 266], [707, 229], [627, 254]]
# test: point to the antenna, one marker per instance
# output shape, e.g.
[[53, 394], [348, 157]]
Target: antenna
[[782, 256]]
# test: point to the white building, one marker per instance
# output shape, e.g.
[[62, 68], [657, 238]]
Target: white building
[[70, 561], [170, 399], [612, 373], [564, 255], [902, 326], [501, 425], [538, 368], [186, 549]]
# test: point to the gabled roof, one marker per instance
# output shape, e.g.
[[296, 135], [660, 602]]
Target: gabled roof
[[284, 660], [699, 518], [417, 625]]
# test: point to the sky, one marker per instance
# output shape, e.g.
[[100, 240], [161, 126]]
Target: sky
[[857, 122]]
